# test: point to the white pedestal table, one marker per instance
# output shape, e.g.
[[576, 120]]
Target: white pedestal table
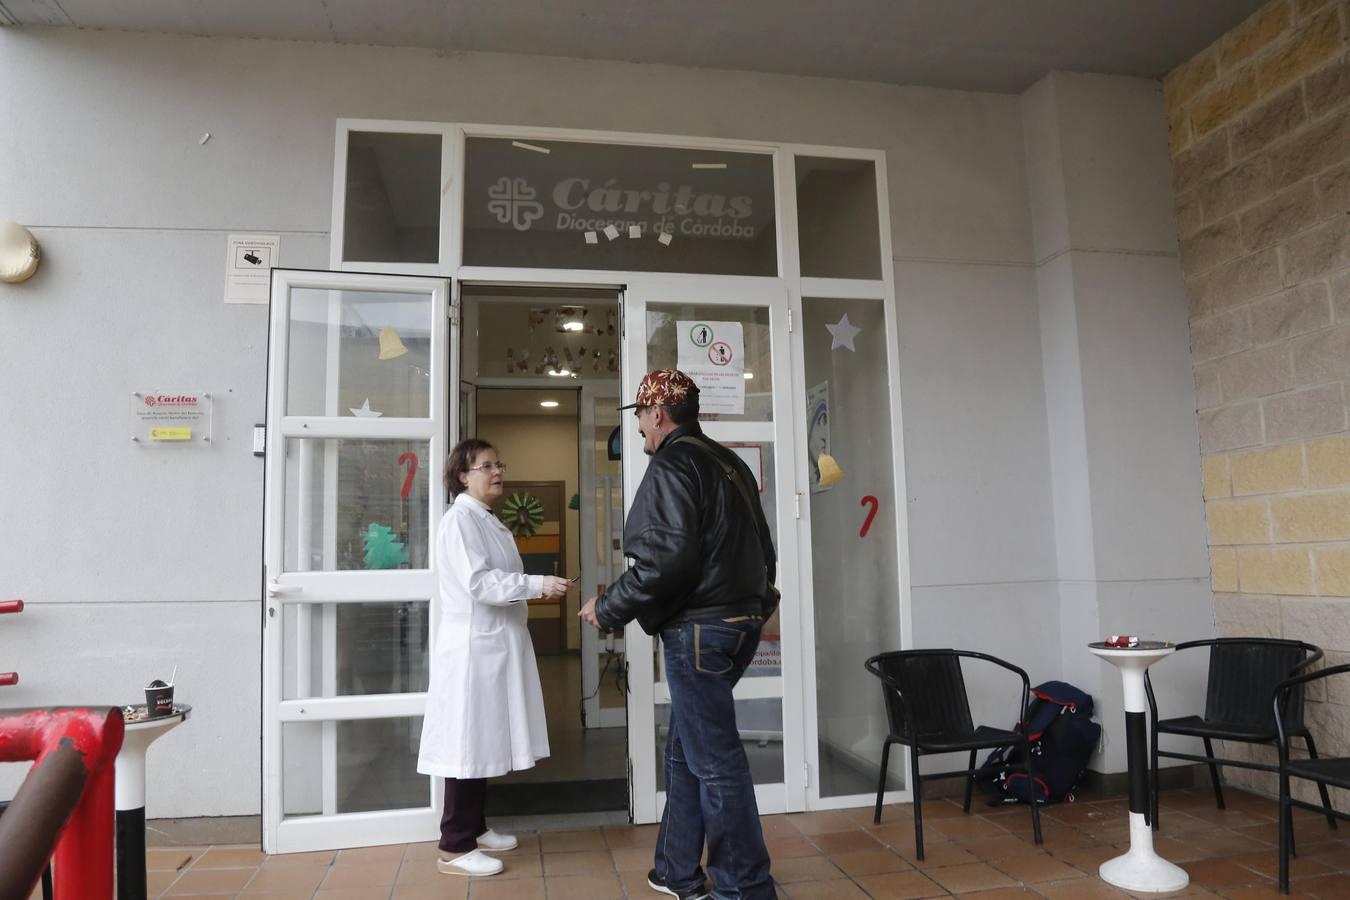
[[1141, 868]]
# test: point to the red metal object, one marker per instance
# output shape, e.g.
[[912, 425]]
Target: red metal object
[[9, 679], [65, 803]]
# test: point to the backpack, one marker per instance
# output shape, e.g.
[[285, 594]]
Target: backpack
[[1063, 736]]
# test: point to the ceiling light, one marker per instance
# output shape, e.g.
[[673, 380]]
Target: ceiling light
[[574, 325], [749, 376], [548, 404], [560, 373]]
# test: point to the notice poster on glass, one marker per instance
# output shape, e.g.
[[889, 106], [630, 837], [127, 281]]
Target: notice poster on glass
[[817, 431], [713, 354]]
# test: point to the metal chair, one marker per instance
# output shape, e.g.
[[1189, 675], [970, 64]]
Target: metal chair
[[1242, 674], [1335, 771], [928, 710]]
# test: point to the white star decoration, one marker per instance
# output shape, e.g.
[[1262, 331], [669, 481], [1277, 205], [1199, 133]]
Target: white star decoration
[[842, 334], [364, 411]]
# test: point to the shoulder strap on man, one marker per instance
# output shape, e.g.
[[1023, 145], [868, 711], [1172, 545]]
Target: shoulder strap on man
[[772, 597], [730, 471]]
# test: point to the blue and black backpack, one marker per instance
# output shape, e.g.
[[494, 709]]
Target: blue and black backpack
[[1063, 736]]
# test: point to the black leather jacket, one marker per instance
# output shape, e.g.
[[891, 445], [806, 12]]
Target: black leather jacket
[[696, 552]]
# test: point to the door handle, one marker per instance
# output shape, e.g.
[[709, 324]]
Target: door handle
[[273, 589]]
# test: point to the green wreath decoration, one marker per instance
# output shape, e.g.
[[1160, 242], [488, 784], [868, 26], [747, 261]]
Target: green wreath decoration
[[522, 514]]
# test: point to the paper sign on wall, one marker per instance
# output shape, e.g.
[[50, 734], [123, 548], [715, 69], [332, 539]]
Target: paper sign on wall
[[249, 259], [713, 354]]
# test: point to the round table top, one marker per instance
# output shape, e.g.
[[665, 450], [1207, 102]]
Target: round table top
[[1152, 646], [1140, 656], [179, 714]]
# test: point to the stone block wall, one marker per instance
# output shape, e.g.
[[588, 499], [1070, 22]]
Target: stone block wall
[[1259, 130]]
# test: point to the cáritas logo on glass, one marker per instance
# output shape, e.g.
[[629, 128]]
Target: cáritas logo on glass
[[584, 206]]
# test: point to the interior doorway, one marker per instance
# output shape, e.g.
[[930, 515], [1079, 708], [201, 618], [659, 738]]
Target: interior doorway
[[539, 379]]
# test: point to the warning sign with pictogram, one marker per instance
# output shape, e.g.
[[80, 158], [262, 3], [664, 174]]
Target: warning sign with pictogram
[[713, 354]]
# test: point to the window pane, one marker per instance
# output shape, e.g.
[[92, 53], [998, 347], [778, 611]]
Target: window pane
[[376, 766], [366, 648], [393, 202], [837, 223], [549, 204], [668, 327], [372, 512], [855, 575], [531, 333], [760, 723], [353, 353]]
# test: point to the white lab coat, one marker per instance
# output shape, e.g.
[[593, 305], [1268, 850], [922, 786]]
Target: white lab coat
[[485, 708]]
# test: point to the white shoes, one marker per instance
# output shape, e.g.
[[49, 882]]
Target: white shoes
[[497, 843], [475, 862]]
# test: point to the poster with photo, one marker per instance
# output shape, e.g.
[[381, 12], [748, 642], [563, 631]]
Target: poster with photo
[[817, 431]]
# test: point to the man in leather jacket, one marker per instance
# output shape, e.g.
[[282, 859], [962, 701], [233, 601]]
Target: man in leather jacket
[[702, 575]]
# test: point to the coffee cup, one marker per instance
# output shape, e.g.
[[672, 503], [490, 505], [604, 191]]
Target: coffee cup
[[158, 699]]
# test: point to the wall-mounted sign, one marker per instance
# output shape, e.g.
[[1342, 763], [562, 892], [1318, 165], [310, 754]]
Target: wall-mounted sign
[[249, 259], [170, 417], [713, 354]]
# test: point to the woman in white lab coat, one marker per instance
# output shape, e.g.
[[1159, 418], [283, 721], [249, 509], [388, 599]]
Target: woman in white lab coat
[[485, 708]]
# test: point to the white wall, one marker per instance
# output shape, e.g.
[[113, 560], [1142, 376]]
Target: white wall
[[146, 556], [1124, 447]]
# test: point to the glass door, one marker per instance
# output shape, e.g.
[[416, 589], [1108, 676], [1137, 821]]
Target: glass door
[[731, 336], [602, 559], [357, 417]]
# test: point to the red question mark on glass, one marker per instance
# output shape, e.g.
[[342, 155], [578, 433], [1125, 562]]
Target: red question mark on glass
[[410, 460], [872, 514]]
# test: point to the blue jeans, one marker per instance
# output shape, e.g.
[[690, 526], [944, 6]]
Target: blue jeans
[[709, 792]]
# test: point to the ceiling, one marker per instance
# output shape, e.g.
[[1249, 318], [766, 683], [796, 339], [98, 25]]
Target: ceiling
[[525, 402], [988, 45]]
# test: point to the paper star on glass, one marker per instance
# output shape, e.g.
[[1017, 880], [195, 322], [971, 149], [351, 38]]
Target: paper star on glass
[[364, 411], [842, 334]]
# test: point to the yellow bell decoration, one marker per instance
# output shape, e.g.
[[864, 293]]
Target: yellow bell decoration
[[391, 345], [829, 469]]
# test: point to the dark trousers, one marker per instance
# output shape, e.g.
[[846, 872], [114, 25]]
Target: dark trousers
[[462, 820], [710, 795]]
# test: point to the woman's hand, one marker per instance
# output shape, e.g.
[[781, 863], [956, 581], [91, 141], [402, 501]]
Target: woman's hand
[[555, 587]]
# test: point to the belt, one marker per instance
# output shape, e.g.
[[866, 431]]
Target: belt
[[743, 611]]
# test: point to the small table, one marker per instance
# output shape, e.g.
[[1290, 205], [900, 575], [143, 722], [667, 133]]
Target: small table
[[1140, 869], [130, 798]]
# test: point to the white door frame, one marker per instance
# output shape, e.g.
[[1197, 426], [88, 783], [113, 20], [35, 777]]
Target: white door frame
[[305, 589]]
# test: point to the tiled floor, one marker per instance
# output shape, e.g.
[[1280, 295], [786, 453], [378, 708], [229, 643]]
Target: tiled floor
[[989, 854]]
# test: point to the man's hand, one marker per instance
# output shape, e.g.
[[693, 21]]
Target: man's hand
[[587, 613]]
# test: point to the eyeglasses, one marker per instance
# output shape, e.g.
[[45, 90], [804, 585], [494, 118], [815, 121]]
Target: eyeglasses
[[486, 467]]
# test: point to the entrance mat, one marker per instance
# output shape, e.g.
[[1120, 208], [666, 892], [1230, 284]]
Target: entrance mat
[[549, 797]]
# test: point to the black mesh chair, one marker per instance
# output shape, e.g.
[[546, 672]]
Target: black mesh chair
[[1242, 674], [1335, 772], [928, 711]]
